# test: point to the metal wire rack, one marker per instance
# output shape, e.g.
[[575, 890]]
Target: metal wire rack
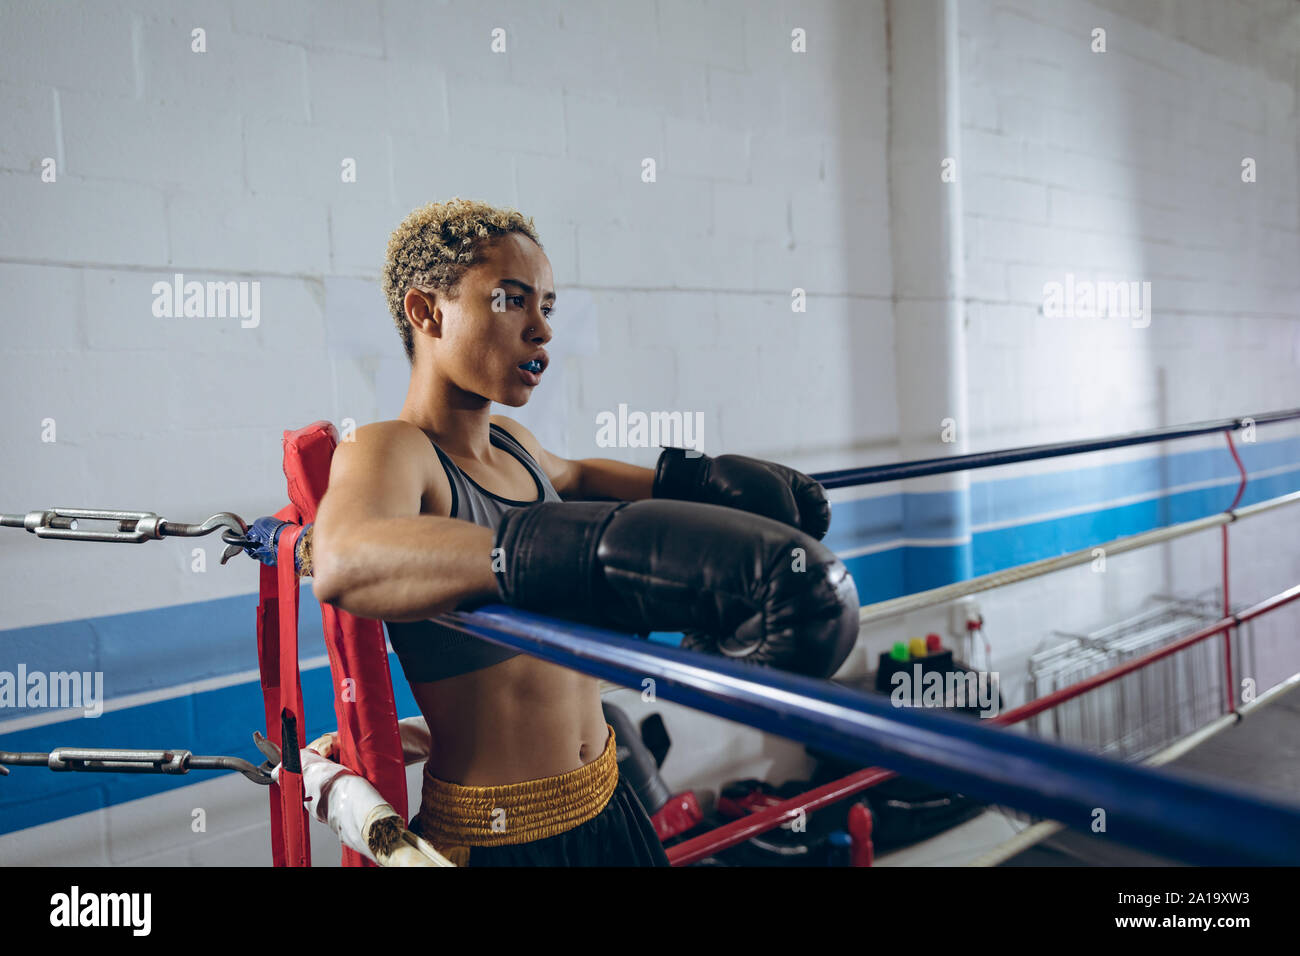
[[1142, 713]]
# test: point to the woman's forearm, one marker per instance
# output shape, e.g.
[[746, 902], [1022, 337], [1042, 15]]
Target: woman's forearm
[[606, 478], [403, 569]]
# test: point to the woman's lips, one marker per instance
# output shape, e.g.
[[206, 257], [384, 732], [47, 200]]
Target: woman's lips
[[530, 378]]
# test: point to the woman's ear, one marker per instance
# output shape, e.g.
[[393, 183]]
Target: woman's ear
[[422, 311]]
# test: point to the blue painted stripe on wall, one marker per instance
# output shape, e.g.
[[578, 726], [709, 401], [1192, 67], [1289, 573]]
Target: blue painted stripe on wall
[[1019, 498], [155, 649], [873, 522], [906, 570]]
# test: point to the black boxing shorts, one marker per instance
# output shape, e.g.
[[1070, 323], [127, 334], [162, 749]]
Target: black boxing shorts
[[586, 817]]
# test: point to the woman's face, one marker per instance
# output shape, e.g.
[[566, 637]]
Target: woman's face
[[499, 322]]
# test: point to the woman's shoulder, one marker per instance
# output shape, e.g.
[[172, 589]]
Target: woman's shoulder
[[394, 430], [386, 441], [520, 434], [397, 443]]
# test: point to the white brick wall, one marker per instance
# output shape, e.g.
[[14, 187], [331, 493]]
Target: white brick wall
[[1126, 165]]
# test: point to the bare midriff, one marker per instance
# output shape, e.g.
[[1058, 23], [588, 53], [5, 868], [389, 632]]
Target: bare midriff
[[521, 719]]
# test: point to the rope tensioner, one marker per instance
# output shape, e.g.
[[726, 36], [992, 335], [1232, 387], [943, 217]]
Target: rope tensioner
[[132, 526], [114, 760]]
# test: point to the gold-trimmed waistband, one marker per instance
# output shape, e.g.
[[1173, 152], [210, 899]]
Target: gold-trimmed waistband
[[453, 816]]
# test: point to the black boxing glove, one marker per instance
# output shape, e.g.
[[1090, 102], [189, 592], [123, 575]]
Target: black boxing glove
[[745, 587], [750, 484]]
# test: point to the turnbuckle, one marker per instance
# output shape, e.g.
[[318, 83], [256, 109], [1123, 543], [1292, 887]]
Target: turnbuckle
[[84, 760], [132, 526]]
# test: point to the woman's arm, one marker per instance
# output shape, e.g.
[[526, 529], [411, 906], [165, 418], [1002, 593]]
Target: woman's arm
[[374, 554], [606, 478]]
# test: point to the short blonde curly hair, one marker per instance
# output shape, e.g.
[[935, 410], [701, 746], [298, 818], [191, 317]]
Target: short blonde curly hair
[[436, 245]]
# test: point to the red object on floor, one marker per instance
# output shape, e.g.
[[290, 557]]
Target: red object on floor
[[862, 852], [679, 814]]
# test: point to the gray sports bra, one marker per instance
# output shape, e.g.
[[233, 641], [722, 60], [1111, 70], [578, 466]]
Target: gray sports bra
[[427, 650]]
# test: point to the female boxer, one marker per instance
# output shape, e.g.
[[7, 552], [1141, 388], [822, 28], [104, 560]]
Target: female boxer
[[449, 506]]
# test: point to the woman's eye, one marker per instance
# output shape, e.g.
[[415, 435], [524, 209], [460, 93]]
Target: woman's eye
[[519, 300]]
